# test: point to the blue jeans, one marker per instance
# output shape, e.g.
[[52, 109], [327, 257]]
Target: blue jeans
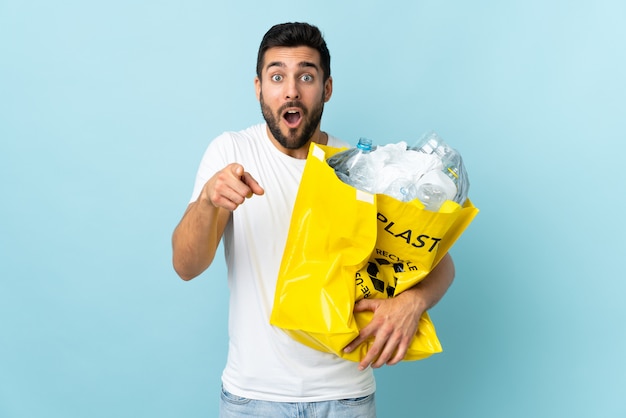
[[232, 406]]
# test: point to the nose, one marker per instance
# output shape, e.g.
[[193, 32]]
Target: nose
[[291, 90]]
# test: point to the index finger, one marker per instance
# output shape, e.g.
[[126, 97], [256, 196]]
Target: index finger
[[372, 353], [252, 184]]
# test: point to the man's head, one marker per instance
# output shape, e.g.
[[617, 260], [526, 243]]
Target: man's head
[[293, 83], [292, 35]]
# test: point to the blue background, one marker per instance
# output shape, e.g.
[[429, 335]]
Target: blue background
[[107, 106]]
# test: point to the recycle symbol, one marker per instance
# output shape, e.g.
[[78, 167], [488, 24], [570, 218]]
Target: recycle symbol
[[373, 270]]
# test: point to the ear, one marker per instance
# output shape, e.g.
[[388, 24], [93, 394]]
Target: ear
[[257, 88], [328, 89]]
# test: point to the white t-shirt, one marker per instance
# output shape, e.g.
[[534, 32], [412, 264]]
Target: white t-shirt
[[263, 362]]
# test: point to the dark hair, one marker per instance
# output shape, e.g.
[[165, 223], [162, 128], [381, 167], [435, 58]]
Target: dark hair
[[293, 35]]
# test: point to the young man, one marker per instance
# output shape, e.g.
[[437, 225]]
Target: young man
[[244, 193]]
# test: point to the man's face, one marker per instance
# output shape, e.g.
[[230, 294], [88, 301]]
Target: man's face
[[292, 94]]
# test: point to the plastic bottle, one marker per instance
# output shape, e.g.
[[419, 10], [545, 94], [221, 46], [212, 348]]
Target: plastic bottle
[[351, 165], [432, 196], [453, 166], [402, 189]]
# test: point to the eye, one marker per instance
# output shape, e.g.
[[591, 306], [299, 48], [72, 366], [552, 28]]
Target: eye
[[307, 78], [277, 77]]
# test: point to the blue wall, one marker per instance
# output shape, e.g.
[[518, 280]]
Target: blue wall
[[106, 107]]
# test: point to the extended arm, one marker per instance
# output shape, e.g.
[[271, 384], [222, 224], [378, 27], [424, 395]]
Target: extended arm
[[197, 236], [396, 319]]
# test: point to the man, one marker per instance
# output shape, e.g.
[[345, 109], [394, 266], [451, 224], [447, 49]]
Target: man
[[244, 193]]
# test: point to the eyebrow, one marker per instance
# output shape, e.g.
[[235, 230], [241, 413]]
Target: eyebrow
[[301, 64]]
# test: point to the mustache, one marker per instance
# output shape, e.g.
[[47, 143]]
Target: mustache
[[292, 104]]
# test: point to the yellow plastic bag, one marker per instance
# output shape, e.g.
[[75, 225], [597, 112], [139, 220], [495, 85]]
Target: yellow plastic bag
[[345, 245]]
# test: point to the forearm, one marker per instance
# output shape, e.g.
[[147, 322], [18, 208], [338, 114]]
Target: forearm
[[196, 238], [434, 286], [396, 319]]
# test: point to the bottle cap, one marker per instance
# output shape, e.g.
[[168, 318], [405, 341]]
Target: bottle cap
[[364, 144]]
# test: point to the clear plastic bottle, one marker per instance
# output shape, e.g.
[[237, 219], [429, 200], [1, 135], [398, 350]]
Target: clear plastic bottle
[[432, 196], [351, 165], [402, 189], [453, 166]]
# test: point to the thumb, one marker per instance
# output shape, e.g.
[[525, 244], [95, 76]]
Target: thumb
[[365, 305], [237, 170]]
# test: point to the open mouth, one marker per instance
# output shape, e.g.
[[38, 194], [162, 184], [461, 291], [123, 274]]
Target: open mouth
[[292, 117]]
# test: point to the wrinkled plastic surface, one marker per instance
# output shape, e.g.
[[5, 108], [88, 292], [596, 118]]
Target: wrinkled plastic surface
[[352, 166], [430, 171], [345, 245]]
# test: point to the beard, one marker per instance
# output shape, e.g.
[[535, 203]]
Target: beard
[[293, 140]]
